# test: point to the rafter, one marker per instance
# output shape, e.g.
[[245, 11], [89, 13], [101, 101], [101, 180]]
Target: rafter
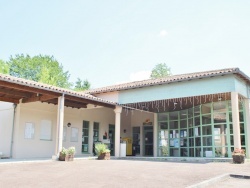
[[15, 93], [89, 101], [5, 99], [28, 89], [39, 98]]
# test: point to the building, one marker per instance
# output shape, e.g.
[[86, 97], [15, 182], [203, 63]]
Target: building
[[203, 114]]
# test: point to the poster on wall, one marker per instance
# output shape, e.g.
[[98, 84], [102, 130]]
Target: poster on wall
[[172, 142], [74, 134], [46, 129], [29, 131], [196, 131], [64, 133], [176, 142]]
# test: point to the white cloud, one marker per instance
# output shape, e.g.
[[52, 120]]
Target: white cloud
[[163, 33], [141, 75]]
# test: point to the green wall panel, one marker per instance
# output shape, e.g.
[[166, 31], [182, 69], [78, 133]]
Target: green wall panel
[[182, 89]]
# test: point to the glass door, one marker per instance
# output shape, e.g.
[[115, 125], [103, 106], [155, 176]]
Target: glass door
[[112, 139], [136, 140], [148, 140]]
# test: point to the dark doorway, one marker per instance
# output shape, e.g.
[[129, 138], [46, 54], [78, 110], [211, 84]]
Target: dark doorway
[[112, 139], [148, 140]]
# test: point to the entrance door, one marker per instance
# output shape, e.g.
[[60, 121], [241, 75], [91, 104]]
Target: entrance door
[[112, 139], [148, 140]]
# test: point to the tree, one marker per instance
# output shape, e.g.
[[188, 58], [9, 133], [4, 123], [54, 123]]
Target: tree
[[40, 68], [4, 68], [161, 70], [82, 85]]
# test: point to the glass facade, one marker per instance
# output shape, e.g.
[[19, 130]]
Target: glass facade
[[201, 131]]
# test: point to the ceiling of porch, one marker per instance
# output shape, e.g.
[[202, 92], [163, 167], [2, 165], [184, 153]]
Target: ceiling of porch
[[177, 104]]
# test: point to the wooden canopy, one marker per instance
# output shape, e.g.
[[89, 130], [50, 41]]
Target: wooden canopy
[[16, 90]]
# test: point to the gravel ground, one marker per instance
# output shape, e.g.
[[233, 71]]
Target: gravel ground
[[115, 173]]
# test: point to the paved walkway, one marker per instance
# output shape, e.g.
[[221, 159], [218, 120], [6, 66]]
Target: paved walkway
[[113, 173]]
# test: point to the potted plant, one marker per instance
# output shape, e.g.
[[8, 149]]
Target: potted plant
[[238, 156], [102, 151], [70, 154], [63, 154]]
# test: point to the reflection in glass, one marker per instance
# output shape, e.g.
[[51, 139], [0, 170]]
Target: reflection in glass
[[174, 115], [162, 117], [221, 152], [207, 141], [198, 152], [220, 140], [206, 130], [183, 123]]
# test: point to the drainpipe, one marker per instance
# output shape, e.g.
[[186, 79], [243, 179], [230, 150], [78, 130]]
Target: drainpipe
[[12, 132]]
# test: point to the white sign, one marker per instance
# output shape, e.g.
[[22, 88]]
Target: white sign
[[45, 132], [29, 131], [74, 134]]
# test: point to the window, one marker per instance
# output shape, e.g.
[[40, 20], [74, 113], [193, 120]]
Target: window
[[85, 136], [96, 132]]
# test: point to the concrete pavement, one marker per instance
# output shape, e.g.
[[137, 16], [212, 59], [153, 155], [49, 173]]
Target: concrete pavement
[[113, 173]]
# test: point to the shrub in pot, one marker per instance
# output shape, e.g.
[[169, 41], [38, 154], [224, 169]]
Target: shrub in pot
[[102, 151], [63, 154], [70, 154]]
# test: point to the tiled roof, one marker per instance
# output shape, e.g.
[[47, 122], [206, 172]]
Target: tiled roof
[[170, 79], [42, 86]]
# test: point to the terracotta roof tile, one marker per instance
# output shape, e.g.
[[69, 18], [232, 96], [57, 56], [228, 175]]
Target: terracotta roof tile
[[33, 84], [170, 79]]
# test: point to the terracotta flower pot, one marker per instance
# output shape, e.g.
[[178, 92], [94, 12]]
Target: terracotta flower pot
[[69, 157], [61, 157], [104, 156], [238, 159]]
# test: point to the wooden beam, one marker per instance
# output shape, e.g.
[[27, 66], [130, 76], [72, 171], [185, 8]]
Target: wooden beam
[[15, 92], [89, 101], [75, 105], [28, 88], [69, 103], [5, 99], [38, 98]]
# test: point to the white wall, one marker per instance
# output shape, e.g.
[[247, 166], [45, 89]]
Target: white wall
[[36, 112], [6, 122], [111, 96], [126, 124]]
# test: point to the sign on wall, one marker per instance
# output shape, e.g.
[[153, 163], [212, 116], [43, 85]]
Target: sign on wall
[[45, 130], [29, 131], [64, 133], [74, 134]]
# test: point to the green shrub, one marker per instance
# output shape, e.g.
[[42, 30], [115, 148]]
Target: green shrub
[[101, 148]]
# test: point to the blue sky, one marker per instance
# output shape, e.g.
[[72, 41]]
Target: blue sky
[[115, 41]]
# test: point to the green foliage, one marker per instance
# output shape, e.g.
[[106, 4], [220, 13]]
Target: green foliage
[[41, 68], [64, 151], [82, 85], [238, 151], [71, 150], [160, 71], [101, 148], [4, 68]]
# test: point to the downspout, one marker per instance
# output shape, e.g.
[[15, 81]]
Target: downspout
[[12, 132]]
